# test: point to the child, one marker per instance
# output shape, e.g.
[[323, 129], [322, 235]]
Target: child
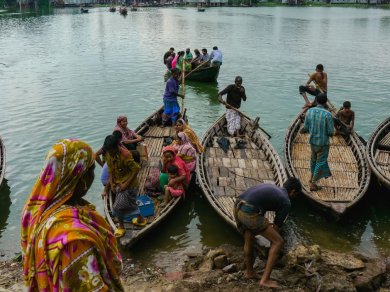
[[177, 189], [345, 119]]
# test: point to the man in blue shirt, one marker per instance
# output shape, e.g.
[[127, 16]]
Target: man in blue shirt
[[171, 106], [216, 57], [319, 123], [249, 211]]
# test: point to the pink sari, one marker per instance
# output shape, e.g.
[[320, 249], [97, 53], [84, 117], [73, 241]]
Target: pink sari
[[127, 134], [186, 152], [181, 165]]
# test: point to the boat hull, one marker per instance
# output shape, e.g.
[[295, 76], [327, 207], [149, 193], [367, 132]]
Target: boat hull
[[224, 176], [154, 138], [378, 152], [348, 163], [2, 160]]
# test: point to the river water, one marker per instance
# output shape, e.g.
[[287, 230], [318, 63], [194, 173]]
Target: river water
[[68, 74]]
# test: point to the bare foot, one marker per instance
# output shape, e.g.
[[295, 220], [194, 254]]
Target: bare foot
[[251, 275], [269, 284]]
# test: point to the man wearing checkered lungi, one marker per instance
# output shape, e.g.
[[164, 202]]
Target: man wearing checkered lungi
[[235, 93]]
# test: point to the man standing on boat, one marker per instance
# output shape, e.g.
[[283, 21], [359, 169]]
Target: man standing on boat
[[171, 106], [249, 211], [167, 54], [319, 123], [216, 57], [320, 78], [235, 93]]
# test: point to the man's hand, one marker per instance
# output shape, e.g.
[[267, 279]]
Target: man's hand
[[104, 194], [123, 187]]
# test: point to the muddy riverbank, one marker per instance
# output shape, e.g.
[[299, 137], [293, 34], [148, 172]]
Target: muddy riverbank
[[303, 268]]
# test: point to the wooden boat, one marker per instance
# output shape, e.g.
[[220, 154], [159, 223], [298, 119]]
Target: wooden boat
[[2, 160], [204, 74], [123, 10], [83, 10], [112, 9], [347, 161], [224, 176], [378, 152], [154, 138]]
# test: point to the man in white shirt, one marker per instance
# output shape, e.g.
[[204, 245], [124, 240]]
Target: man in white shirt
[[216, 57]]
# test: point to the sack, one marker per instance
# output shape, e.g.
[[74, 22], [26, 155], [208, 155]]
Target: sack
[[124, 201], [152, 183], [143, 151]]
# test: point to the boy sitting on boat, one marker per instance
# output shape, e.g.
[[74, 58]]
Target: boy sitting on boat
[[177, 188], [345, 119], [320, 78]]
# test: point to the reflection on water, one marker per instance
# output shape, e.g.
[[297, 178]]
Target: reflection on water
[[70, 75]]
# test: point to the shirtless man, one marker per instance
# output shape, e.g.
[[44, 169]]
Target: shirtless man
[[345, 119], [320, 78]]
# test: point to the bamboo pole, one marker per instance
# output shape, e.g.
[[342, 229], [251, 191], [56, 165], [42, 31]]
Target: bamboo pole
[[182, 85]]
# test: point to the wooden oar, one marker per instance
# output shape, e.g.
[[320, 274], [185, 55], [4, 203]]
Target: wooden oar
[[182, 84], [197, 68], [244, 115]]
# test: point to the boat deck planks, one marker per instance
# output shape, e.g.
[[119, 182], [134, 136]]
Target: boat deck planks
[[224, 176], [347, 161]]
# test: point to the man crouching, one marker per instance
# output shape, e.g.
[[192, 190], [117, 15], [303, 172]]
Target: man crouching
[[249, 211]]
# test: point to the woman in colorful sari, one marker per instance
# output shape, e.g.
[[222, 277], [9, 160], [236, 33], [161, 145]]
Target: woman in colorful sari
[[181, 126], [168, 158], [66, 244], [122, 170], [185, 151]]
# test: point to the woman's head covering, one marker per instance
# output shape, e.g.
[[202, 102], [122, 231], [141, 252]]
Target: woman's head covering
[[193, 138], [48, 225], [169, 149]]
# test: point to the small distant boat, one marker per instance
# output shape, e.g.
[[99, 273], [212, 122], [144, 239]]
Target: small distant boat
[[154, 137], [83, 10], [2, 160], [378, 152], [112, 9], [201, 7], [123, 10], [249, 161], [347, 161]]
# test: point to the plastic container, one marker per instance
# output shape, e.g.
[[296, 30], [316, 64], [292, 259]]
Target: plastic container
[[145, 205]]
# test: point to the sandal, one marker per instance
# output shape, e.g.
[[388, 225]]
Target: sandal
[[315, 188], [137, 223], [119, 232]]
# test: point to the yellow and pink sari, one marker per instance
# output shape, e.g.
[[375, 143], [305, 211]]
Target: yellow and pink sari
[[64, 247]]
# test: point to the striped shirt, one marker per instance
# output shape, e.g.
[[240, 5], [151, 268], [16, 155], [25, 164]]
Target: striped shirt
[[319, 123]]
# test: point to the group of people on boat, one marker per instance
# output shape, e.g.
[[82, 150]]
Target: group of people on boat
[[67, 245], [321, 125], [191, 61]]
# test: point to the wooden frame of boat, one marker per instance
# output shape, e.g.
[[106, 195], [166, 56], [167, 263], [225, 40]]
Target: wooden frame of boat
[[347, 161], [205, 74], [154, 138], [378, 152], [2, 160], [224, 176]]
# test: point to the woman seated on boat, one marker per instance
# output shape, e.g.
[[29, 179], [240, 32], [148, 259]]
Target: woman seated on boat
[[66, 244], [130, 139], [105, 176], [168, 158], [181, 126], [185, 151], [175, 190], [169, 61], [180, 60], [123, 172], [196, 61]]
